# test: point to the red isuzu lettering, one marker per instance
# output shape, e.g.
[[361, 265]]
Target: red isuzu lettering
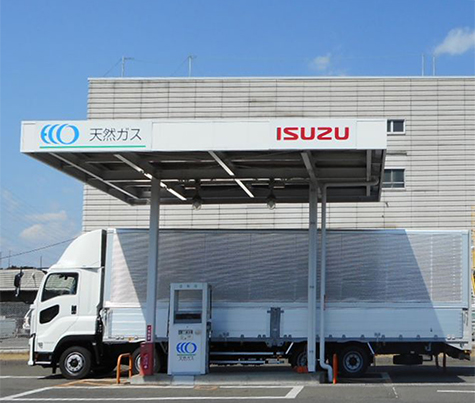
[[312, 133]]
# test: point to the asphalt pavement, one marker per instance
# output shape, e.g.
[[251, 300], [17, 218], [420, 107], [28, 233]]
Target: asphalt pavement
[[16, 344], [384, 382]]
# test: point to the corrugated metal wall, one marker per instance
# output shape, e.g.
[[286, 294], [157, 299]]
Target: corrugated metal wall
[[437, 151]]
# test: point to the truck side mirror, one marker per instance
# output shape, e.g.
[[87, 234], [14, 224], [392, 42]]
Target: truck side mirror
[[17, 282]]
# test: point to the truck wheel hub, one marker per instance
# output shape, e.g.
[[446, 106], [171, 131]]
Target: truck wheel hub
[[74, 362], [352, 362]]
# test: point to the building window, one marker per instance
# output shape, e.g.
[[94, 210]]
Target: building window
[[396, 126], [393, 179]]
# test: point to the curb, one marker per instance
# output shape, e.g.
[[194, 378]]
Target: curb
[[19, 355], [15, 351], [229, 380]]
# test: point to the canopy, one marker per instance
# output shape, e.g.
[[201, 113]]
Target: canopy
[[216, 161]]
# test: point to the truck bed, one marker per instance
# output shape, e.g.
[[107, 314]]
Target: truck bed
[[391, 285]]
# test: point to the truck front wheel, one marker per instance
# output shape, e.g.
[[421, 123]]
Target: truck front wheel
[[75, 362], [353, 361]]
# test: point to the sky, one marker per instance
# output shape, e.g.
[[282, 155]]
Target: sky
[[49, 49]]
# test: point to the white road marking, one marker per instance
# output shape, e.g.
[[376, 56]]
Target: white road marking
[[377, 385], [128, 399], [30, 392], [294, 392], [395, 393], [21, 377], [255, 387], [280, 386], [122, 387], [171, 387]]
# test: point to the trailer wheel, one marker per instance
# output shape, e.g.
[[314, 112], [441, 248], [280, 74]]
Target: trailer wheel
[[298, 357], [75, 362], [157, 362], [353, 361]]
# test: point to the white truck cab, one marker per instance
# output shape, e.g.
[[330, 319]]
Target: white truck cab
[[66, 308]]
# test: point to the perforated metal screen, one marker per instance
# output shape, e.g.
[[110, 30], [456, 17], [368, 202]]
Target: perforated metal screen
[[245, 266]]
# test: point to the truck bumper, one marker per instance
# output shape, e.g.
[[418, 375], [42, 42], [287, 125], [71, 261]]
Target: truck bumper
[[31, 344], [38, 358]]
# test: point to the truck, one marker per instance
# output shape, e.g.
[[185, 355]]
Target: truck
[[401, 292]]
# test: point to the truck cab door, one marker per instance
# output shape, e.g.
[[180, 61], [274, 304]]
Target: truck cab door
[[57, 309]]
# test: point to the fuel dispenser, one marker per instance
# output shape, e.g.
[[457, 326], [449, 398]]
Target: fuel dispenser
[[189, 328]]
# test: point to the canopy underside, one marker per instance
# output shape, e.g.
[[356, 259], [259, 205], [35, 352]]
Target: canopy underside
[[227, 177]]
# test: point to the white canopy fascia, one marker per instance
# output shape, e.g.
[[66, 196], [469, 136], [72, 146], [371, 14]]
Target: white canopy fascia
[[224, 160]]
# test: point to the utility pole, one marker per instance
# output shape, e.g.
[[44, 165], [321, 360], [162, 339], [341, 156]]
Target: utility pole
[[434, 59], [124, 59], [9, 257], [41, 262], [190, 64], [423, 64], [1, 262]]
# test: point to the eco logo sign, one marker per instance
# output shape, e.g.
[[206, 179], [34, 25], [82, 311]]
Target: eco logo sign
[[57, 135], [186, 348]]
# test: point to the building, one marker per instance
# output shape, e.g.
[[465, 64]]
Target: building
[[430, 164], [13, 308]]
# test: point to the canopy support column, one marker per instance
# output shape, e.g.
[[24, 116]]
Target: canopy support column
[[152, 283], [323, 274], [312, 276]]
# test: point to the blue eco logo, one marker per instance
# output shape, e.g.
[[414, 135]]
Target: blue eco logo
[[53, 134], [186, 348]]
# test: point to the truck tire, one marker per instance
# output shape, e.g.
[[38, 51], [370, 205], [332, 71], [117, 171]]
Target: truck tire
[[353, 361], [75, 362], [298, 358], [157, 362]]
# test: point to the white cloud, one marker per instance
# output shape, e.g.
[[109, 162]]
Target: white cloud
[[457, 42], [48, 227], [9, 200], [47, 217], [34, 233], [321, 63]]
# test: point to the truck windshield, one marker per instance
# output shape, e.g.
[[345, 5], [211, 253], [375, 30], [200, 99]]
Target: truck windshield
[[60, 284]]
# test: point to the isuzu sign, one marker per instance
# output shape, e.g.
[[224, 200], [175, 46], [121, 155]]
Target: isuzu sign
[[315, 133], [174, 135]]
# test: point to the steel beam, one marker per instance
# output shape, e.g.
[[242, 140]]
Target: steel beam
[[152, 268], [248, 173], [312, 276], [229, 168], [92, 171], [368, 170], [309, 164], [323, 275], [150, 172]]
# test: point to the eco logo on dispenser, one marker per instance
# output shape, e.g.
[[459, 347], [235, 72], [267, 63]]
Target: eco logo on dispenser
[[186, 348]]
